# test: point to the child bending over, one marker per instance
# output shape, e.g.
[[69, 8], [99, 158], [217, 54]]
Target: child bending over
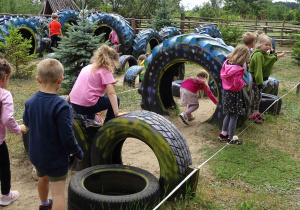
[[188, 94]]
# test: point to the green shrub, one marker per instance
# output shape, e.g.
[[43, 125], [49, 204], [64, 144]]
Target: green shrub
[[16, 51], [296, 47]]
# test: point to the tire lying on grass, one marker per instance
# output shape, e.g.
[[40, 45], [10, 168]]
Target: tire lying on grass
[[124, 59], [158, 133], [131, 74], [267, 100], [113, 187], [271, 86]]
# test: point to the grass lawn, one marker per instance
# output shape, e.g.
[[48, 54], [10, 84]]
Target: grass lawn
[[262, 174]]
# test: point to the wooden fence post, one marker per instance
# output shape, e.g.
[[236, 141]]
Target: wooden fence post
[[281, 35], [182, 23], [132, 23]]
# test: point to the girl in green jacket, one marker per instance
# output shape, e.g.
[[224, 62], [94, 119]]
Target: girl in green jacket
[[261, 65]]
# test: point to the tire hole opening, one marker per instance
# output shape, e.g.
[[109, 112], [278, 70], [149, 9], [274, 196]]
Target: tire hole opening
[[26, 34]]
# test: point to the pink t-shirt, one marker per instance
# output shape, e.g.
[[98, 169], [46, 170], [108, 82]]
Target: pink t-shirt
[[89, 87], [7, 115]]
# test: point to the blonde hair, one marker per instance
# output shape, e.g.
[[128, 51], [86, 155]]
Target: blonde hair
[[5, 68], [262, 39], [142, 57], [54, 16], [205, 76], [106, 57], [258, 33], [239, 55], [249, 38], [50, 70]]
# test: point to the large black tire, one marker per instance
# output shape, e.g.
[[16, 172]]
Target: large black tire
[[28, 27], [145, 37], [44, 21], [131, 74], [67, 16], [267, 100], [158, 133], [167, 32], [113, 187], [124, 59], [271, 86], [108, 22], [157, 85], [209, 29]]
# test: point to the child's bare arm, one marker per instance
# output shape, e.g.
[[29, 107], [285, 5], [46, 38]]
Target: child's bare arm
[[281, 54]]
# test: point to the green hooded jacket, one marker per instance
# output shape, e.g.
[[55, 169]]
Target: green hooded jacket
[[261, 65]]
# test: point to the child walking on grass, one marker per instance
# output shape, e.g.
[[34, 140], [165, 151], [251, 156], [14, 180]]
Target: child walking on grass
[[51, 139], [88, 93], [261, 65], [7, 121], [188, 94], [232, 82], [54, 31]]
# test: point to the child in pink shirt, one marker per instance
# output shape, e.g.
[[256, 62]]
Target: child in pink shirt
[[7, 121], [88, 93], [113, 38], [188, 94]]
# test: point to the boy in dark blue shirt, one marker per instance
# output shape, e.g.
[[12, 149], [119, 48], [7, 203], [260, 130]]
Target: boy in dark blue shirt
[[51, 138]]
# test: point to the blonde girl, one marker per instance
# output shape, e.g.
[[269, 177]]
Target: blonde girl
[[261, 65], [7, 122], [88, 93], [232, 98], [188, 94]]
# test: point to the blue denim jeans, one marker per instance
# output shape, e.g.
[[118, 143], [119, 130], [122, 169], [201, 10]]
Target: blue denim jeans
[[102, 104]]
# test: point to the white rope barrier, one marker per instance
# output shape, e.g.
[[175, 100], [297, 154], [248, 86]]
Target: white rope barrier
[[183, 181]]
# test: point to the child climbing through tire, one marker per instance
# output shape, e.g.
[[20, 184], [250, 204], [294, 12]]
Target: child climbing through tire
[[87, 96], [232, 99], [188, 94]]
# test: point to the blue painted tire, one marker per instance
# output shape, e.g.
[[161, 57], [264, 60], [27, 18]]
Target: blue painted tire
[[167, 32], [210, 29], [206, 51], [142, 39], [28, 27], [126, 59], [131, 74], [67, 16], [107, 22], [271, 86]]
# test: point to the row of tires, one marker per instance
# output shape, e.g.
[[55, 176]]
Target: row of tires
[[110, 185]]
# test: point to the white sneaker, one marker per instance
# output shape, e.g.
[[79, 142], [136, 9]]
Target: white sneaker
[[184, 118], [6, 200]]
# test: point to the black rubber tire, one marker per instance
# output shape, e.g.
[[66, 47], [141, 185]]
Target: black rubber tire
[[176, 88], [158, 133], [167, 32], [267, 100], [271, 86], [157, 85], [67, 16], [131, 74], [113, 187], [126, 59], [44, 21], [28, 27], [142, 39], [209, 29], [108, 22]]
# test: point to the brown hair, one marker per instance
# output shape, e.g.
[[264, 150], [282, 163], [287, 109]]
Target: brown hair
[[261, 40], [106, 57], [50, 70], [258, 33], [249, 38], [205, 76], [5, 68], [239, 55], [142, 57], [54, 16]]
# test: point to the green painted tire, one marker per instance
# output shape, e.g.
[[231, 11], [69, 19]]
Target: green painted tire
[[158, 133], [113, 187]]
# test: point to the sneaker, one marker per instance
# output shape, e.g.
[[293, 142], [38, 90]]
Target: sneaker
[[184, 118], [6, 200], [260, 117], [92, 123], [234, 142], [256, 120], [191, 117], [47, 207], [222, 137]]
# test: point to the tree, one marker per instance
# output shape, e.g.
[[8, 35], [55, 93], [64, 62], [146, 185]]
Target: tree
[[207, 11], [163, 16], [17, 50], [296, 47], [76, 49], [20, 6]]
